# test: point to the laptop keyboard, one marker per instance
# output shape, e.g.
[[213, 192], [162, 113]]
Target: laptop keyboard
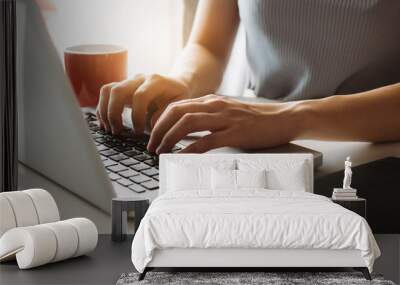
[[125, 157]]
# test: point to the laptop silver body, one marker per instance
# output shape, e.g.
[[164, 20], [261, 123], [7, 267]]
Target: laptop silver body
[[54, 139]]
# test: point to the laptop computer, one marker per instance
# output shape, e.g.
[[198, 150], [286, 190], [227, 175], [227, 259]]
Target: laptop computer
[[64, 143]]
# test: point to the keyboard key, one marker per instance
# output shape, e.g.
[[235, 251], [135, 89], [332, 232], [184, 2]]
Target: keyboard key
[[142, 157], [108, 152], [108, 144], [128, 173], [137, 188], [156, 177], [100, 140], [102, 157], [124, 182], [114, 176], [139, 148], [139, 167], [151, 162], [109, 162], [101, 147], [150, 172], [139, 178], [116, 140], [132, 152], [90, 116], [151, 185], [117, 168], [121, 148], [129, 161], [118, 157]]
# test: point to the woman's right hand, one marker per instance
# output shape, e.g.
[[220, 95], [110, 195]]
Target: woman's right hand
[[145, 94]]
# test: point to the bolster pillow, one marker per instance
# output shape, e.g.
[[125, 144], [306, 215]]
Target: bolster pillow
[[40, 244], [26, 208]]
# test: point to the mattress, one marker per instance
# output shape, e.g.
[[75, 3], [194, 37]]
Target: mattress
[[252, 219]]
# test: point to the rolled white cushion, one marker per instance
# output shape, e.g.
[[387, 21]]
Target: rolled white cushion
[[7, 218], [87, 234], [23, 208], [67, 240], [46, 207], [33, 246], [40, 244]]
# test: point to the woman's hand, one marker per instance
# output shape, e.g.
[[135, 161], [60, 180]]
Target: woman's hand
[[146, 95], [231, 123]]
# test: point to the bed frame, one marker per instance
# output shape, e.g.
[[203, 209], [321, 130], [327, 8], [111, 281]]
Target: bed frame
[[246, 258], [242, 259]]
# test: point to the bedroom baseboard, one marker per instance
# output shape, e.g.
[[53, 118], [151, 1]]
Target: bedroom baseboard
[[363, 270]]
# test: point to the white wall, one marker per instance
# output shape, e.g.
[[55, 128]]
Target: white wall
[[149, 29]]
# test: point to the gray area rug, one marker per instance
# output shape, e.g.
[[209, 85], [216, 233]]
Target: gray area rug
[[269, 278]]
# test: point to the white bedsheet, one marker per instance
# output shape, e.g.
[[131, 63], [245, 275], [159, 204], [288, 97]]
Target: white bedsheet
[[250, 219]]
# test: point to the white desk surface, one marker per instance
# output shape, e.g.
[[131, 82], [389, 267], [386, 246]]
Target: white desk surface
[[334, 154]]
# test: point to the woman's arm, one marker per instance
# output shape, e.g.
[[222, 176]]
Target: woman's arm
[[198, 71], [203, 60], [372, 116]]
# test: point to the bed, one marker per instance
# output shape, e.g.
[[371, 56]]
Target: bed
[[247, 210]]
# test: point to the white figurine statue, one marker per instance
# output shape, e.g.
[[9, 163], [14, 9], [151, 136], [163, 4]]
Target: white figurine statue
[[347, 174]]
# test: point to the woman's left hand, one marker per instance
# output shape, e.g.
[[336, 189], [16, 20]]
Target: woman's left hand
[[230, 122]]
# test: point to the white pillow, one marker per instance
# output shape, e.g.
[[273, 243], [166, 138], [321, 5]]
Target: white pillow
[[292, 179], [281, 175], [223, 179], [251, 178], [230, 180], [183, 176]]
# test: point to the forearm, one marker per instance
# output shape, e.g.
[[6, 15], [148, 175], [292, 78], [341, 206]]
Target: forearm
[[372, 116], [199, 69], [202, 63]]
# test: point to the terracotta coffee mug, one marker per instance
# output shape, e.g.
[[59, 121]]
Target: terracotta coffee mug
[[89, 67]]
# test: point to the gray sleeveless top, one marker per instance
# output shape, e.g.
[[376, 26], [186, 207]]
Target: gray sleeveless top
[[303, 49]]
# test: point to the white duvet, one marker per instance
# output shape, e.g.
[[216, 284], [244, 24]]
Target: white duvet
[[250, 219]]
